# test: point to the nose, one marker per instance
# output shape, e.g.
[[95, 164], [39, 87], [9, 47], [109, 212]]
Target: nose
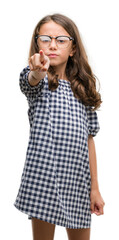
[[53, 44]]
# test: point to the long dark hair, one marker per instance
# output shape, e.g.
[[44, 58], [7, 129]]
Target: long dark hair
[[78, 70]]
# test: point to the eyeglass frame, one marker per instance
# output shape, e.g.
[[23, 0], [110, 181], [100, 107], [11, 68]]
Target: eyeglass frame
[[37, 36]]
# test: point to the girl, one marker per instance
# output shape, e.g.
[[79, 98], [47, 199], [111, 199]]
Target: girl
[[59, 184]]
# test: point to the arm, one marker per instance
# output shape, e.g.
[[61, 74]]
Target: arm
[[97, 202], [93, 163], [34, 77]]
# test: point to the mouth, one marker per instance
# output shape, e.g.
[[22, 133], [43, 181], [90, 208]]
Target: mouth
[[52, 55]]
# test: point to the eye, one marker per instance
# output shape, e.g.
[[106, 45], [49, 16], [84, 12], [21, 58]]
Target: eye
[[62, 39], [45, 39]]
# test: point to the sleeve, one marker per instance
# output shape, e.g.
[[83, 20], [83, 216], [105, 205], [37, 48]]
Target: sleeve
[[30, 92], [92, 121]]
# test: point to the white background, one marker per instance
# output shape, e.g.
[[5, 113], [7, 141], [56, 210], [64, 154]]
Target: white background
[[97, 21]]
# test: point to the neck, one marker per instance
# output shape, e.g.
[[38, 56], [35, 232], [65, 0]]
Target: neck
[[60, 71]]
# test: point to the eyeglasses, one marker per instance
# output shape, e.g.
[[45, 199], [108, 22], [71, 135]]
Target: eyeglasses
[[61, 41]]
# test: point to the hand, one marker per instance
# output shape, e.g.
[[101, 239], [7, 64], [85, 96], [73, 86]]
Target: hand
[[97, 203], [39, 62]]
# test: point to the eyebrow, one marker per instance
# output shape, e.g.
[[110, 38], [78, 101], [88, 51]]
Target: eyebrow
[[52, 36]]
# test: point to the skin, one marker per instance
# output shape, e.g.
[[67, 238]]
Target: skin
[[97, 202], [43, 230], [39, 64]]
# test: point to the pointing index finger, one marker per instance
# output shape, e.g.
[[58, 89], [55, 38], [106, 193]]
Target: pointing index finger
[[42, 56]]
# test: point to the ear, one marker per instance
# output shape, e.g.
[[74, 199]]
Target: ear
[[73, 50]]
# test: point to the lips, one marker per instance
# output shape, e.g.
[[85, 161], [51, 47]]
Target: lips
[[52, 55]]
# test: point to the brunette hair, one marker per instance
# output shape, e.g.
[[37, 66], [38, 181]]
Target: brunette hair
[[78, 70]]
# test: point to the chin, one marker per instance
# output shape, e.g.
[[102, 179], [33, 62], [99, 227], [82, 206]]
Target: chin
[[53, 64]]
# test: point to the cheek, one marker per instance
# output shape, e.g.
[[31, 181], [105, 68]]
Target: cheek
[[44, 50], [65, 54]]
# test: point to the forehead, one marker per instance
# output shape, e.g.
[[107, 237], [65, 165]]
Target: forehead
[[52, 29]]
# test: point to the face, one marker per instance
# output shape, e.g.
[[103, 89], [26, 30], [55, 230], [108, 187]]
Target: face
[[58, 57]]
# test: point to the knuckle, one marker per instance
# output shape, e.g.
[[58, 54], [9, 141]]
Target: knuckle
[[36, 55], [37, 65]]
